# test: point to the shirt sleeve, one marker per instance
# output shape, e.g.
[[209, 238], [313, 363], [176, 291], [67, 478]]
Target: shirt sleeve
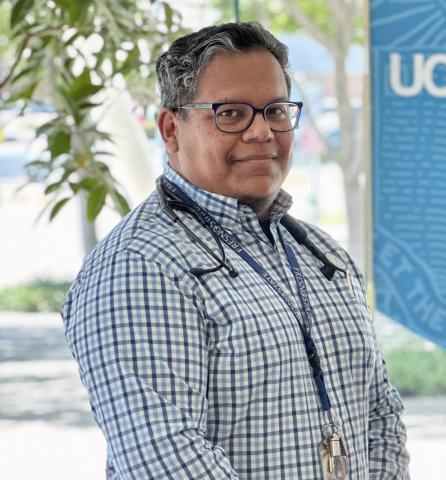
[[388, 457], [138, 335]]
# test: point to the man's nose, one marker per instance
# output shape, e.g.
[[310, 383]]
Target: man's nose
[[258, 130]]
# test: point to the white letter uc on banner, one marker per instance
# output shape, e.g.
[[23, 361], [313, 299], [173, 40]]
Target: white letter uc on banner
[[423, 75]]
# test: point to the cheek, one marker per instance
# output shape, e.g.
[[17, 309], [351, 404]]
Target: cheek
[[286, 143], [286, 146], [221, 151], [209, 153]]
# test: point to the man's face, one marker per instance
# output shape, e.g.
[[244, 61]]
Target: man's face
[[250, 165]]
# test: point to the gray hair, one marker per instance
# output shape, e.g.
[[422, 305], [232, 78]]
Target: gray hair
[[179, 68]]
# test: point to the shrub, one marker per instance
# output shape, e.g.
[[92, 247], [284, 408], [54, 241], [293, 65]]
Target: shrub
[[415, 370], [37, 296]]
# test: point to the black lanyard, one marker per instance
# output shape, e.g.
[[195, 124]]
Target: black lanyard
[[234, 244]]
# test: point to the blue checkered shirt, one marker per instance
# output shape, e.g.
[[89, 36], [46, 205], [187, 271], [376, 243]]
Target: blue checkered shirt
[[207, 378]]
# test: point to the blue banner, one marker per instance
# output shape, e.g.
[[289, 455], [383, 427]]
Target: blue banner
[[408, 74]]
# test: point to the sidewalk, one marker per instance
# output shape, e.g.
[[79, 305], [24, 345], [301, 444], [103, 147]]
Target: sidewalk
[[46, 428]]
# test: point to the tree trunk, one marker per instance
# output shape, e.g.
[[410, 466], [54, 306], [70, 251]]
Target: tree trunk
[[89, 238], [350, 159], [355, 199]]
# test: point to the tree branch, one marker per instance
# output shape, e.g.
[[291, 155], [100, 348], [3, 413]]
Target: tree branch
[[355, 7], [298, 14], [337, 8], [312, 118], [17, 61], [27, 37], [343, 15]]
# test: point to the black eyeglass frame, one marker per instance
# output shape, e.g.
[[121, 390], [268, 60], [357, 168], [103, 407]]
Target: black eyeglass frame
[[255, 110]]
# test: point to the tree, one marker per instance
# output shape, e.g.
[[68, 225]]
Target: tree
[[69, 54], [336, 24]]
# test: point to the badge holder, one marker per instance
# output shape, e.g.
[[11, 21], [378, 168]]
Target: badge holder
[[333, 456]]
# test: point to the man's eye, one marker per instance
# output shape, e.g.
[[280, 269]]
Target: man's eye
[[230, 113], [276, 111]]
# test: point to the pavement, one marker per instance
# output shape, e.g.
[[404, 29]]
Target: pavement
[[47, 431]]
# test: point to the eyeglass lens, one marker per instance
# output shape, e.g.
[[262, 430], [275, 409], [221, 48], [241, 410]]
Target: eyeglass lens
[[236, 117]]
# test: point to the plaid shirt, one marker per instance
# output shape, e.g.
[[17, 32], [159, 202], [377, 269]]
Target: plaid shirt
[[207, 378]]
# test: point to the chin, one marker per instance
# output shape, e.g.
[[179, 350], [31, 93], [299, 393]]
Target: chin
[[257, 195], [261, 190]]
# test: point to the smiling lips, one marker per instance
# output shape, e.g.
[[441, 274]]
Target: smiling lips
[[256, 157]]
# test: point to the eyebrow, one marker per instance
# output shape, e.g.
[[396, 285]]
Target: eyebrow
[[232, 100]]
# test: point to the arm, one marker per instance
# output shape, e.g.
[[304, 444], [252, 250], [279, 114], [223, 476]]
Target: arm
[[388, 456], [140, 343]]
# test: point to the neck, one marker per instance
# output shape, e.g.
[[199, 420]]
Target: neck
[[261, 207]]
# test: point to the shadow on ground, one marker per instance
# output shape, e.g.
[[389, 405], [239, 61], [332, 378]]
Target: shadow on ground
[[39, 378]]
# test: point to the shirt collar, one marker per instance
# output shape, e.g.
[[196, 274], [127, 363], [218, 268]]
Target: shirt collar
[[228, 211]]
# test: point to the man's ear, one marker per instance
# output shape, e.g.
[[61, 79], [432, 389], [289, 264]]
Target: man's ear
[[167, 124]]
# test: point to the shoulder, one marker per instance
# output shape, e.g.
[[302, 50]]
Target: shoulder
[[146, 234], [326, 243]]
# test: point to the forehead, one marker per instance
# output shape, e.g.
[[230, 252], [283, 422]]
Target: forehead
[[254, 76]]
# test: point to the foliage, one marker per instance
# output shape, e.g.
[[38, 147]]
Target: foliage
[[4, 29], [37, 296], [69, 54], [415, 370], [273, 15]]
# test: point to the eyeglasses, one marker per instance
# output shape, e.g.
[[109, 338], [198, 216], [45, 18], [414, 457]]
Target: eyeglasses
[[237, 117]]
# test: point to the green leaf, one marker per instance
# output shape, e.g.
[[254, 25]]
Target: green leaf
[[59, 142], [103, 153], [81, 14], [86, 105], [56, 209], [25, 93], [44, 128], [56, 185], [89, 183], [95, 202], [47, 39], [74, 187], [76, 10], [19, 10], [71, 105], [63, 4], [82, 87], [67, 173], [24, 72], [103, 167], [120, 203], [168, 12], [52, 188], [104, 136]]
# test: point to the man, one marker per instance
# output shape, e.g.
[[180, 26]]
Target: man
[[216, 339]]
